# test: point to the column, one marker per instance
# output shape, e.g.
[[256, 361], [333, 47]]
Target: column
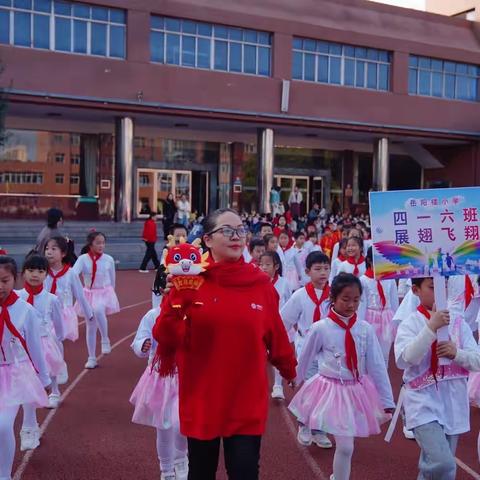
[[123, 169], [265, 152], [380, 165], [88, 166], [224, 176], [356, 171]]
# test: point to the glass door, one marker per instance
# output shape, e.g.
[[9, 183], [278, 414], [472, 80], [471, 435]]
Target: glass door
[[287, 183], [317, 191]]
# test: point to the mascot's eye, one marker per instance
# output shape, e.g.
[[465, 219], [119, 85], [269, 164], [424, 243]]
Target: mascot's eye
[[193, 257], [177, 257]]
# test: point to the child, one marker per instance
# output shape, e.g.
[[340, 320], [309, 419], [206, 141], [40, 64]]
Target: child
[[464, 298], [351, 394], [22, 354], [312, 245], [355, 262], [293, 267], [256, 249], [306, 307], [98, 271], [341, 254], [435, 398], [156, 405], [49, 311], [377, 306]]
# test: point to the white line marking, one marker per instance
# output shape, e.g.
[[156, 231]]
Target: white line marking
[[303, 450], [467, 469], [122, 309], [43, 427]]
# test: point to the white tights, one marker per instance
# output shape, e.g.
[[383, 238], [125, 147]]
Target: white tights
[[7, 441], [278, 378], [171, 447], [100, 322], [342, 460]]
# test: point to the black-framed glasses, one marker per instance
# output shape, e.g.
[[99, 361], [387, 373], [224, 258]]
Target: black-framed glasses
[[230, 231]]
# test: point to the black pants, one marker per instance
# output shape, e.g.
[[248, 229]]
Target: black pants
[[150, 254], [242, 457]]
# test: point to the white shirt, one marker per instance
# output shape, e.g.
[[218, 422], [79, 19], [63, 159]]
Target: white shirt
[[144, 332], [456, 298], [326, 343], [447, 402], [346, 267], [69, 288], [404, 285], [336, 248], [183, 207], [295, 197], [105, 276], [283, 290], [371, 298], [292, 262], [49, 310], [27, 322], [408, 305]]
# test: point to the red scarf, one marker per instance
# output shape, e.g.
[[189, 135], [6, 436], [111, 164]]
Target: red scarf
[[32, 291], [434, 359], [350, 349], [381, 292], [6, 322], [469, 291], [95, 259], [352, 261], [56, 276], [342, 258], [310, 289]]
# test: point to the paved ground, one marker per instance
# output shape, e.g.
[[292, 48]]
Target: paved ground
[[90, 437]]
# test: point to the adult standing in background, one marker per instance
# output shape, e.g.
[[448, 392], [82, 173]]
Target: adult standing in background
[[183, 210], [54, 221], [169, 211], [295, 202]]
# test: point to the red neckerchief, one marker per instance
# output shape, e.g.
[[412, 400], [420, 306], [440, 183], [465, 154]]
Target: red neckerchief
[[381, 292], [342, 258], [469, 291], [95, 259], [350, 348], [310, 289], [434, 359], [56, 276], [352, 261], [32, 292], [6, 322], [275, 278]]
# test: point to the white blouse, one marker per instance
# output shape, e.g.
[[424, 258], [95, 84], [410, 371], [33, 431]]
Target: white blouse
[[144, 332], [105, 276]]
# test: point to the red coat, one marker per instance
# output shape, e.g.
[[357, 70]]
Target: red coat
[[150, 231], [222, 350]]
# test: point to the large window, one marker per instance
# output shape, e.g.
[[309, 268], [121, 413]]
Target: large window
[[64, 27], [443, 79], [338, 64], [214, 47]]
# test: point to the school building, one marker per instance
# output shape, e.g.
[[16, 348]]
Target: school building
[[112, 105]]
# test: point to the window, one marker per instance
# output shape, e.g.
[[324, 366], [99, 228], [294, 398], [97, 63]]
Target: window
[[186, 43], [75, 139], [144, 179], [57, 138], [63, 26], [432, 77], [339, 64], [74, 180], [59, 178], [21, 177], [59, 157], [75, 159], [139, 142]]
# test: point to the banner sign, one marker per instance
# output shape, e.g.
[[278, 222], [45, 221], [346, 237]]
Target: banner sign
[[425, 233]]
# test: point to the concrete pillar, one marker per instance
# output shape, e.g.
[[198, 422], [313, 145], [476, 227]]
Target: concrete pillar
[[123, 169], [225, 176], [356, 171], [381, 163], [265, 154]]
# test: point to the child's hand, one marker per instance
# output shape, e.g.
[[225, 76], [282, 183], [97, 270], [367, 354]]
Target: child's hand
[[169, 284], [147, 345], [439, 319], [447, 350]]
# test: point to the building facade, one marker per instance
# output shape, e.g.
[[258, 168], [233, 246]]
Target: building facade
[[115, 104]]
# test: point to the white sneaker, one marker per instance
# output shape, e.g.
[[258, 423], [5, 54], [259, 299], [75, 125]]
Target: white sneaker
[[143, 271], [29, 439], [321, 440], [304, 436], [332, 477], [408, 434], [181, 469], [106, 347], [53, 400], [277, 392], [91, 363], [62, 378], [168, 476]]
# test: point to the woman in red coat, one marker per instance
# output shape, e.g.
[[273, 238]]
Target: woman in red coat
[[221, 340]]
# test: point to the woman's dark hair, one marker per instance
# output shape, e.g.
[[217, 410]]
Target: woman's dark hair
[[256, 242], [275, 259], [90, 239], [341, 281], [369, 258], [210, 221], [35, 262], [65, 247], [359, 242], [54, 215], [9, 264]]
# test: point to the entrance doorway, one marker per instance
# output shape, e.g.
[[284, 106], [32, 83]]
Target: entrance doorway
[[317, 191], [288, 182]]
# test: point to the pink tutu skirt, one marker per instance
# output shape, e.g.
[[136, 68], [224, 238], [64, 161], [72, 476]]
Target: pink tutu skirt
[[351, 408], [53, 356], [19, 384], [70, 323], [382, 322], [156, 400], [473, 387], [100, 298]]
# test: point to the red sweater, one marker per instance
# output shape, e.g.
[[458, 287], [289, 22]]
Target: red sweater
[[150, 231], [222, 349]]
